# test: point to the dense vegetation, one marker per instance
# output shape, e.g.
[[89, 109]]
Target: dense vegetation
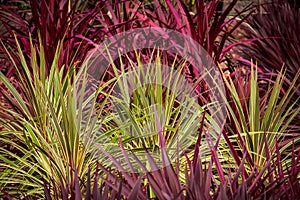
[[61, 139]]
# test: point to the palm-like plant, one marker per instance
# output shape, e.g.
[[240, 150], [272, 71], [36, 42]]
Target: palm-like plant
[[258, 119], [148, 100], [43, 123]]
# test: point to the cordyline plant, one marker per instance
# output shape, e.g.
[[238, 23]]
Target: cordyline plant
[[202, 22], [77, 23], [259, 117], [261, 123], [154, 103], [277, 37], [41, 120]]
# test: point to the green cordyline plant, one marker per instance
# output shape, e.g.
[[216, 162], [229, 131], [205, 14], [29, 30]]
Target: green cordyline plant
[[154, 98], [43, 122], [260, 121]]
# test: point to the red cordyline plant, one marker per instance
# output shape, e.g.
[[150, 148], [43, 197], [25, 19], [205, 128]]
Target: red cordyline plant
[[277, 37], [77, 23], [203, 22], [81, 25], [272, 181]]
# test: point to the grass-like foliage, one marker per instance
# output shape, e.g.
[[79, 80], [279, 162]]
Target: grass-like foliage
[[138, 131], [48, 158], [275, 42], [41, 125], [260, 118]]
